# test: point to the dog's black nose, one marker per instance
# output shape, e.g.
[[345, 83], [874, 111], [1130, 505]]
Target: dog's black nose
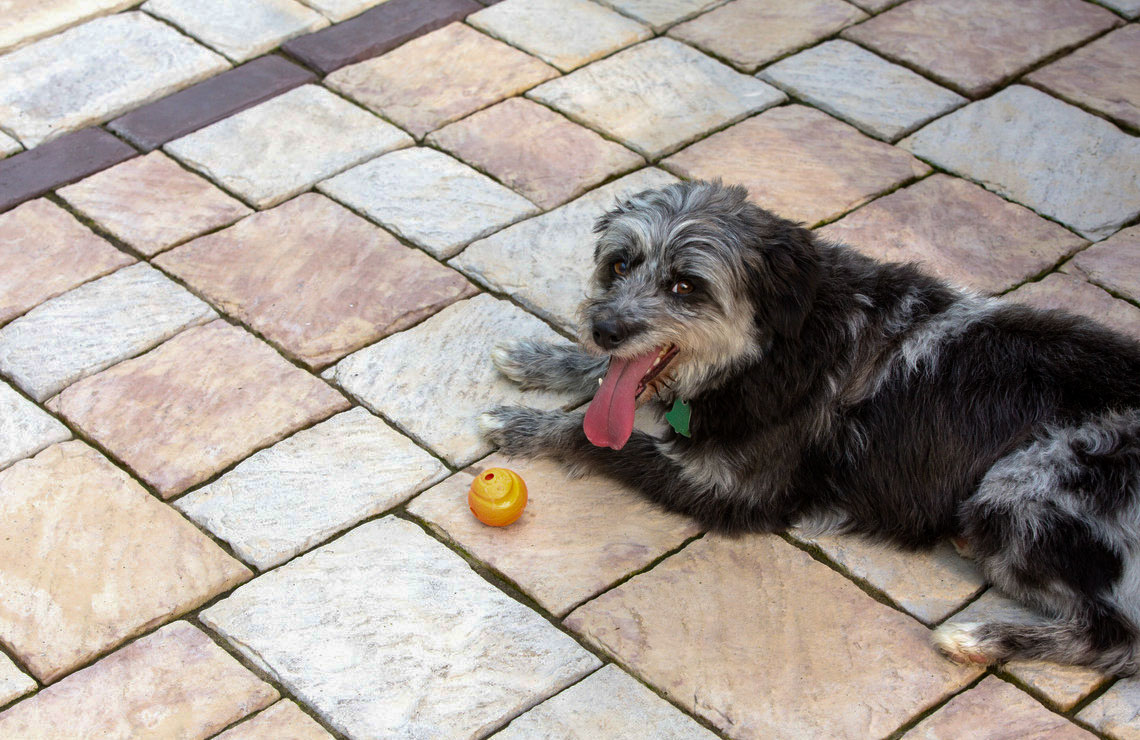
[[611, 333]]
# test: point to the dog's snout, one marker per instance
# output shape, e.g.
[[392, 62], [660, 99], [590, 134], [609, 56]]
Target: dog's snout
[[610, 333]]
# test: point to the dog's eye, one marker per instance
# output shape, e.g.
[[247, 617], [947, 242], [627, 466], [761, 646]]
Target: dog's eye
[[621, 267], [682, 287]]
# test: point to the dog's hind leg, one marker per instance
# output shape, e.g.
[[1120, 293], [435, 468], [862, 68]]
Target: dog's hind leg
[[553, 367]]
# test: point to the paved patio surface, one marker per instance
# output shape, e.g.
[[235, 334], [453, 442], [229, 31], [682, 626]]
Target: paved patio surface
[[253, 256]]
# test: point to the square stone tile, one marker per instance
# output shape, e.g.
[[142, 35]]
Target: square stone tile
[[606, 704], [8, 145], [1127, 8], [14, 683], [798, 651], [1116, 712], [173, 683], [28, 20], [25, 429], [304, 489], [242, 30], [176, 420], [565, 33], [535, 151], [59, 162], [340, 10], [315, 278], [1113, 263], [660, 14], [444, 365], [277, 149], [282, 720], [545, 262], [151, 203], [94, 326], [1081, 170], [429, 199], [90, 559], [877, 97], [94, 72], [1103, 75], [975, 45], [657, 96], [46, 251], [368, 629], [995, 709], [799, 163], [440, 77], [1069, 293], [749, 33], [957, 231]]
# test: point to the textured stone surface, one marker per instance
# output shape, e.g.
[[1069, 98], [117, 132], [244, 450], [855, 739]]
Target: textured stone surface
[[429, 199], [660, 14], [315, 278], [1080, 169], [545, 262], [607, 704], [45, 252], [957, 231], [176, 420], [1127, 8], [749, 33], [657, 96], [616, 531], [89, 558], [173, 683], [443, 365], [24, 428], [61, 161], [973, 45], [565, 33], [94, 72], [1074, 295], [374, 628], [28, 20], [1103, 75], [13, 682], [1113, 263], [302, 490], [282, 720], [279, 148], [1116, 712], [440, 77], [763, 641], [151, 203], [8, 145], [800, 163], [339, 10], [535, 151], [94, 326], [870, 93], [239, 30]]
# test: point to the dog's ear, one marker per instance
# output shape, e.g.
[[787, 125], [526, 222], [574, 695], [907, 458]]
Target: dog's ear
[[786, 272]]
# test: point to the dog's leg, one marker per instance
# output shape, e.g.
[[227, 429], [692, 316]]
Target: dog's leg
[[553, 367]]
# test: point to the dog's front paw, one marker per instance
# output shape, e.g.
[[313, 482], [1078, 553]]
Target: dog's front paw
[[526, 432], [509, 357], [961, 643]]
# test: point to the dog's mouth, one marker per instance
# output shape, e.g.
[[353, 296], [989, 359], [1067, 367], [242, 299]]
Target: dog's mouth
[[609, 420]]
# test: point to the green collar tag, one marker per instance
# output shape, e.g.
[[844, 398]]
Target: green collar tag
[[678, 418]]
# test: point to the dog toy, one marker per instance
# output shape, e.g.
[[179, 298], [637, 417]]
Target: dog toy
[[497, 496]]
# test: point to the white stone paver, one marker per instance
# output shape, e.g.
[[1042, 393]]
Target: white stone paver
[[385, 632], [26, 21], [282, 721], [1116, 712], [339, 10], [661, 14], [8, 145], [24, 428], [13, 681], [239, 30], [1127, 8]]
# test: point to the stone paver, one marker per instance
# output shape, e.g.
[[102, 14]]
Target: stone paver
[[535, 151], [799, 652], [1127, 8], [242, 30], [8, 145], [545, 262], [443, 365], [1116, 713], [429, 199], [973, 45], [440, 77], [660, 14], [173, 683], [94, 326], [749, 33], [59, 162], [606, 704], [315, 278], [92, 73], [374, 628], [286, 499], [24, 428], [657, 96], [176, 420], [90, 559], [1113, 263], [281, 147], [959, 232], [565, 33], [28, 20], [340, 10], [14, 683], [151, 203], [799, 163], [1074, 295], [1038, 151], [282, 720], [872, 94]]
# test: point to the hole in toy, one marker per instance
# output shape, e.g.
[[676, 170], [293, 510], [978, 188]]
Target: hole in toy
[[488, 476]]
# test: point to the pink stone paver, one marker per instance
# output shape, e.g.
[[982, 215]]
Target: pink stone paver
[[280, 721], [1074, 295], [1113, 263]]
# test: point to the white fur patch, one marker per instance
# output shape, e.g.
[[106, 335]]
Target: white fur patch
[[959, 642]]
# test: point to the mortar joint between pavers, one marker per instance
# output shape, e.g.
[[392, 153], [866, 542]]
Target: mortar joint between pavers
[[911, 723]]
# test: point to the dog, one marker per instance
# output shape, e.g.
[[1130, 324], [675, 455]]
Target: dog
[[826, 390]]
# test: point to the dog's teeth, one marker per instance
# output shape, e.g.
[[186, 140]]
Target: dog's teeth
[[599, 381]]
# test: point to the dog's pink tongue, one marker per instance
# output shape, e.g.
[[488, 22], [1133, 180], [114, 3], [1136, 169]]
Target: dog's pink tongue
[[609, 420]]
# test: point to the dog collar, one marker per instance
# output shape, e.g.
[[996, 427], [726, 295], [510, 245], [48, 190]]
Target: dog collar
[[678, 417]]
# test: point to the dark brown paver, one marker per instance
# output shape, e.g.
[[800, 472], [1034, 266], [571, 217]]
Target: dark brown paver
[[69, 158]]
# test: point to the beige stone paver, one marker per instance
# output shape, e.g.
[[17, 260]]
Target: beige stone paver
[[28, 20], [1116, 712], [657, 96], [14, 683], [1070, 293], [281, 147], [24, 428], [1113, 263], [339, 10], [302, 490], [660, 14], [387, 632], [959, 232], [1127, 8], [440, 77], [280, 721], [315, 278], [242, 30], [750, 33], [176, 419], [173, 683], [90, 559], [799, 163], [8, 145], [151, 203], [542, 155]]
